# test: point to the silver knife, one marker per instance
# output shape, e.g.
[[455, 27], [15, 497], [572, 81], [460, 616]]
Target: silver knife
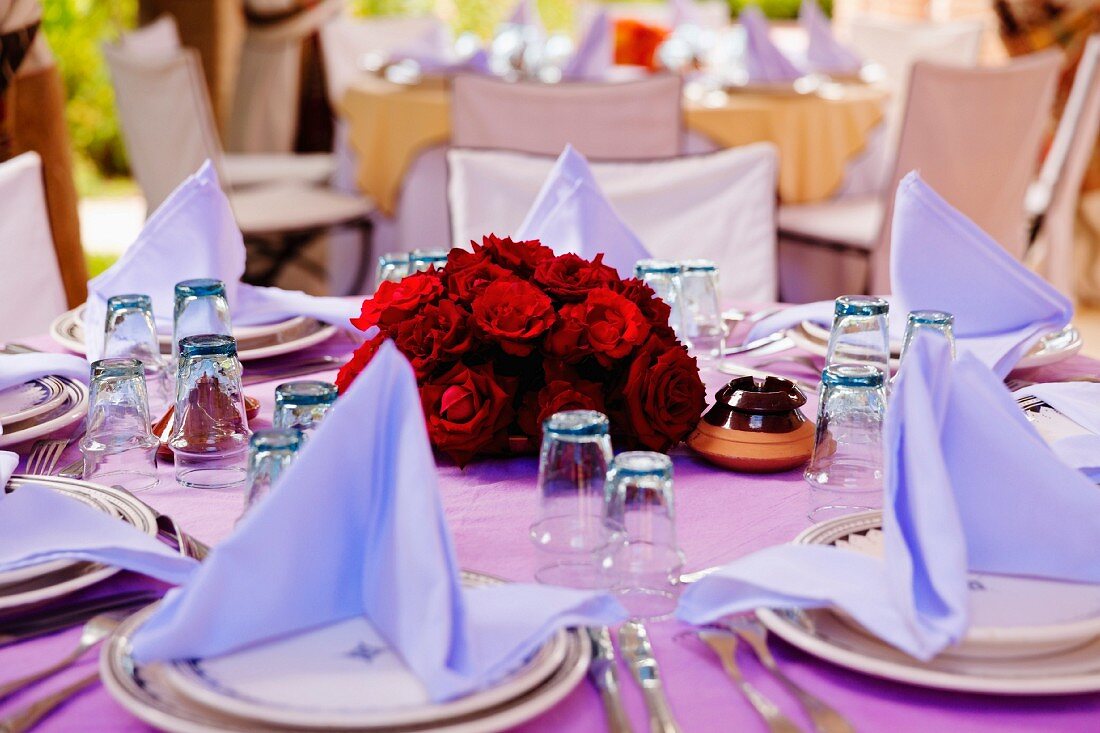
[[770, 344], [638, 652], [603, 673]]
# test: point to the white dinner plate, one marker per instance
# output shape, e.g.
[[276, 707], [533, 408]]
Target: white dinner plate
[[1052, 348], [69, 412], [253, 342], [50, 585], [1011, 617], [30, 399], [797, 88]]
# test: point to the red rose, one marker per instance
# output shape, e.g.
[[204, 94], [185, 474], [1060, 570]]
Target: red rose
[[614, 325], [568, 339], [358, 362], [514, 314], [520, 257], [437, 335], [468, 273], [468, 412], [570, 277], [395, 300], [655, 310], [556, 396], [663, 397]]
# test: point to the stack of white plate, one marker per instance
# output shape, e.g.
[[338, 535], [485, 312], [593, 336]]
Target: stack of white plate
[[1027, 635], [253, 342], [24, 588], [40, 407], [339, 678]]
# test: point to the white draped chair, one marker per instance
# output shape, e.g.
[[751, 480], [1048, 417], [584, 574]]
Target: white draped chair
[[718, 206], [973, 133], [31, 281], [1052, 198]]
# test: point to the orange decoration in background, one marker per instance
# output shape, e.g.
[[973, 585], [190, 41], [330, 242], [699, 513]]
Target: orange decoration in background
[[636, 42]]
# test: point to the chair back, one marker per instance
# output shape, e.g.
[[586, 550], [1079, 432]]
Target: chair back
[[166, 118], [718, 206], [974, 135], [631, 120], [897, 44], [159, 39], [33, 292]]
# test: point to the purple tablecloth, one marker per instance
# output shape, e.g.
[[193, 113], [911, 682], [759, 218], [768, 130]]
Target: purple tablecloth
[[720, 515]]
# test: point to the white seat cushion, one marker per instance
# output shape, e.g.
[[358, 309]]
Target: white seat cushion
[[853, 221], [289, 207], [250, 169]]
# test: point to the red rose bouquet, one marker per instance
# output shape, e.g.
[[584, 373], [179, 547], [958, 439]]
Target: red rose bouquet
[[506, 335]]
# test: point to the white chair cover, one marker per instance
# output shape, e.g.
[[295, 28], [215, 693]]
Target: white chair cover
[[157, 40], [31, 282], [633, 120], [719, 206], [265, 104]]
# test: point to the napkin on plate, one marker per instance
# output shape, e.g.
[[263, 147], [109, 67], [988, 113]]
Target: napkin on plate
[[38, 525], [1080, 403], [941, 260], [571, 214], [823, 52], [595, 52], [193, 235], [524, 14], [969, 484], [764, 62], [356, 528], [434, 53], [684, 12]]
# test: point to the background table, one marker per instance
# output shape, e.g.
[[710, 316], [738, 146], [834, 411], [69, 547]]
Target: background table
[[720, 515], [817, 135]]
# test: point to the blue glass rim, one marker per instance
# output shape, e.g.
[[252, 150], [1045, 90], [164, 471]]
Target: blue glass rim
[[394, 258], [129, 301], [120, 366], [931, 318], [655, 267], [860, 305], [276, 439], [306, 392], [208, 344], [576, 423], [428, 255], [851, 375], [642, 463], [200, 288], [691, 266]]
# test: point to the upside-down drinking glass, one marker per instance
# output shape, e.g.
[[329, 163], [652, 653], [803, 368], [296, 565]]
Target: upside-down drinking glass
[[938, 321], [119, 447], [420, 260], [131, 333], [644, 567], [571, 530], [664, 277], [210, 430], [270, 452], [845, 472], [392, 267], [702, 309], [303, 405], [860, 333], [200, 308]]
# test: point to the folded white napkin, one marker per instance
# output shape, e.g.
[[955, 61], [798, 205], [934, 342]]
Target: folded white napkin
[[571, 214], [823, 51], [595, 53], [193, 235], [1080, 402], [356, 528], [434, 52], [764, 62], [969, 485]]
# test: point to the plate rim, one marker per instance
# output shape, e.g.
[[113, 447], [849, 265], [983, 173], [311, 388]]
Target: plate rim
[[55, 396], [62, 421]]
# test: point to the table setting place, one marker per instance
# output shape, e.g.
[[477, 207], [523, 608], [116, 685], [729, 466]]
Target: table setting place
[[546, 490]]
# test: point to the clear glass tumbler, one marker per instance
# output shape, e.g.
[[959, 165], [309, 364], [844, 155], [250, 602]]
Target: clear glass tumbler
[[420, 260], [119, 447], [392, 267], [845, 472], [131, 333], [571, 530], [303, 405], [939, 321], [270, 452], [644, 568], [860, 333], [664, 277], [210, 431], [200, 308], [702, 309]]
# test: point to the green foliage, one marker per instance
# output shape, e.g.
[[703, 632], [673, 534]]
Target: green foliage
[[778, 9], [98, 262], [75, 29]]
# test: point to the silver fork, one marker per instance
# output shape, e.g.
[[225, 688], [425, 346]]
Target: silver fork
[[26, 718], [724, 644], [44, 456]]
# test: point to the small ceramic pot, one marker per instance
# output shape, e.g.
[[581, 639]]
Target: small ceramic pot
[[755, 426]]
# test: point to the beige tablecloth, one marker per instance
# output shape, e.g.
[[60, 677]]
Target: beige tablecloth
[[816, 136]]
